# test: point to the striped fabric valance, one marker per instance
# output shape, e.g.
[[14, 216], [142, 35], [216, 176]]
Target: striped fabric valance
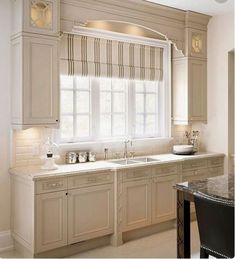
[[83, 55]]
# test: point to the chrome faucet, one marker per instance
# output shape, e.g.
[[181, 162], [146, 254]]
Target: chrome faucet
[[125, 154]]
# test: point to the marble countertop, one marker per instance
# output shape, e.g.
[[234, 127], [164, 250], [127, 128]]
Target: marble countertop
[[220, 187], [35, 172]]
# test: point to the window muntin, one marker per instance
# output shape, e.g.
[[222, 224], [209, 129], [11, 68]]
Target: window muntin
[[93, 109], [75, 108], [146, 108]]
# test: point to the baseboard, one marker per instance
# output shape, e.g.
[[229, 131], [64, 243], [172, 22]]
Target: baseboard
[[6, 242]]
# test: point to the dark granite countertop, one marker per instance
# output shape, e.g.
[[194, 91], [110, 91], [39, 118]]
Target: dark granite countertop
[[221, 187]]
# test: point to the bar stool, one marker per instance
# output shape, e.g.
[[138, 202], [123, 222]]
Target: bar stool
[[216, 226]]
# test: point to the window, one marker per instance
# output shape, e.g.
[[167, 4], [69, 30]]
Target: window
[[94, 109]]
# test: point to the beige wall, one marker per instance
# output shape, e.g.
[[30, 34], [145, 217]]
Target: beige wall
[[4, 114], [220, 42]]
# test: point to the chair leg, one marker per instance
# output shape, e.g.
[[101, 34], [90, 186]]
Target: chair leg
[[203, 253]]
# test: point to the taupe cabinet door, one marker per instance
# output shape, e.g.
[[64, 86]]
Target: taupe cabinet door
[[136, 204], [163, 198], [51, 221], [90, 212]]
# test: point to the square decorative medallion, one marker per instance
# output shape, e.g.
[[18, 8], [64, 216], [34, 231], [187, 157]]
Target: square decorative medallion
[[196, 43], [41, 14]]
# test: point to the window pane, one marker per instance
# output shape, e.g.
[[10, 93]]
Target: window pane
[[105, 102], [139, 129], [119, 125], [83, 126], [118, 102], [139, 86], [118, 84], [139, 102], [150, 125], [151, 86], [150, 103], [83, 101], [66, 101], [105, 84], [82, 82], [66, 82], [105, 125], [66, 127]]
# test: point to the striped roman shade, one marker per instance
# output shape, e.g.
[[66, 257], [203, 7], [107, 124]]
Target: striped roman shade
[[90, 56]]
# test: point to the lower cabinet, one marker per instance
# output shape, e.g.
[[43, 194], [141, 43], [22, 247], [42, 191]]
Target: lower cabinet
[[148, 201], [136, 204], [163, 198], [90, 212], [51, 220]]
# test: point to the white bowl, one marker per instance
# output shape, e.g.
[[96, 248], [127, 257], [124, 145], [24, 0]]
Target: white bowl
[[183, 148]]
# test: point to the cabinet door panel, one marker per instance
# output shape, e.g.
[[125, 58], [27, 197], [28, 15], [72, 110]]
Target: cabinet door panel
[[90, 213], [197, 90], [136, 204], [163, 198], [51, 221], [41, 84]]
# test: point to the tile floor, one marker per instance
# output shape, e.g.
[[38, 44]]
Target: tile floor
[[161, 245]]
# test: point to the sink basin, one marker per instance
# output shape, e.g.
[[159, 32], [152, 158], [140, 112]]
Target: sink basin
[[134, 161], [125, 162], [146, 159]]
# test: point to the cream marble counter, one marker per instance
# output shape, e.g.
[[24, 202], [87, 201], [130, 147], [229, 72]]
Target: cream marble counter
[[35, 172]]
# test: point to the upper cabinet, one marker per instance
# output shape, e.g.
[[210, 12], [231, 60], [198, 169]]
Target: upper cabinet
[[36, 16], [189, 74], [35, 63]]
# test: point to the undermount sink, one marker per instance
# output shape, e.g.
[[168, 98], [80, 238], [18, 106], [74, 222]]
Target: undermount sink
[[146, 159], [134, 161], [125, 162]]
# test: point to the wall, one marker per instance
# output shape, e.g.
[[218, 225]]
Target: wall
[[26, 145], [220, 42], [4, 120]]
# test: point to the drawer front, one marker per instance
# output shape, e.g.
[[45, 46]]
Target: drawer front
[[193, 164], [215, 161], [129, 175], [165, 170], [90, 179], [215, 171], [51, 185], [192, 175]]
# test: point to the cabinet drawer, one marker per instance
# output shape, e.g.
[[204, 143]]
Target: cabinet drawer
[[90, 179], [51, 185], [165, 170], [129, 175], [192, 175], [215, 161], [192, 164], [215, 171]]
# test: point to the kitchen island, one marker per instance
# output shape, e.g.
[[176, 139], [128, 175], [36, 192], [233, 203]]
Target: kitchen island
[[221, 187]]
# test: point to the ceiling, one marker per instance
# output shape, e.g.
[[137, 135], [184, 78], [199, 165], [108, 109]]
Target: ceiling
[[210, 7]]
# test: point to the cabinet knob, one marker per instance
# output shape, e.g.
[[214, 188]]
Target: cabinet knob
[[56, 120], [66, 193]]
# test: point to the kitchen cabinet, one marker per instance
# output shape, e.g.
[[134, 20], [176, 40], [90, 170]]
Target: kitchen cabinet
[[189, 90], [163, 198], [35, 63], [53, 213], [51, 220], [136, 204], [35, 89], [90, 212]]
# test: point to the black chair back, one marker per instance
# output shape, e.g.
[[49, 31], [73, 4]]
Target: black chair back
[[216, 225]]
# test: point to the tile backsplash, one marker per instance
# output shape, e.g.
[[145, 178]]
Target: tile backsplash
[[27, 145]]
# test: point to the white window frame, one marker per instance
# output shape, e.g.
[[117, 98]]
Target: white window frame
[[164, 89]]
